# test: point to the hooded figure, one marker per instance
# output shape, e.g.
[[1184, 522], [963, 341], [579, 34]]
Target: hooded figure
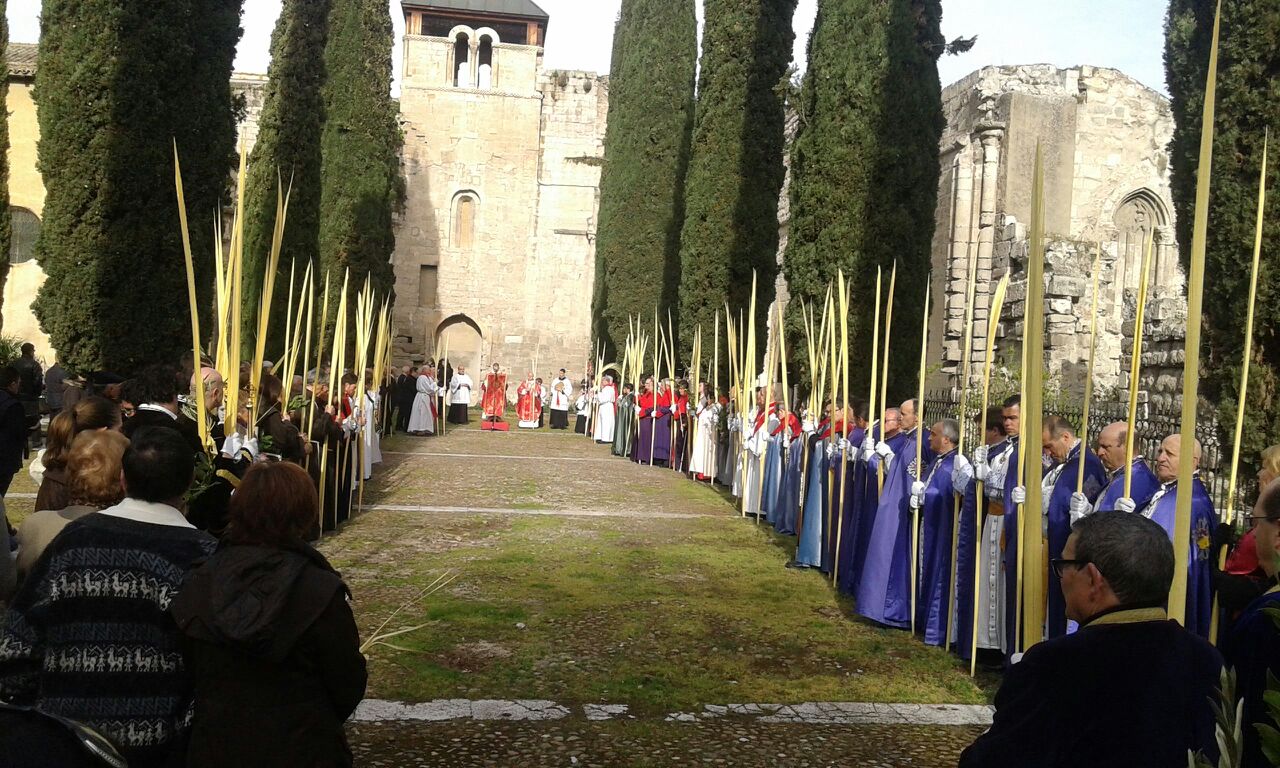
[[269, 636]]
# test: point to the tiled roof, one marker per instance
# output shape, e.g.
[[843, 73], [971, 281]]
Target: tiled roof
[[523, 8], [21, 58]]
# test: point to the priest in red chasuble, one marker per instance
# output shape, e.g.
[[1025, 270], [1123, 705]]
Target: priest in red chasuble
[[493, 394], [529, 403]]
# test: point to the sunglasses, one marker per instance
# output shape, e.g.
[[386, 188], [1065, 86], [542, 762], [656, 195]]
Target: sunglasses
[[1058, 563]]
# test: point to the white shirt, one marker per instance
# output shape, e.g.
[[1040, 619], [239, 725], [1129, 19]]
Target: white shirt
[[460, 388], [159, 409], [148, 512]]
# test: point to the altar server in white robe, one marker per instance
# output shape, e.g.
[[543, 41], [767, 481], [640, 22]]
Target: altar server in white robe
[[372, 440], [560, 398], [702, 463], [423, 419], [459, 396], [606, 411]]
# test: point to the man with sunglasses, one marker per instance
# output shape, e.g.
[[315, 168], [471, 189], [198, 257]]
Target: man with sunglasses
[[1253, 647], [1130, 687]]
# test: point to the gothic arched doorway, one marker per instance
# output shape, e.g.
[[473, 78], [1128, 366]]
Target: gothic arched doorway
[[461, 338]]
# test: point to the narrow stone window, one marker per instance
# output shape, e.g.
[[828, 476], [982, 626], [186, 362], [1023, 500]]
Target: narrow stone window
[[462, 62], [485, 60], [26, 228], [428, 286], [464, 221]]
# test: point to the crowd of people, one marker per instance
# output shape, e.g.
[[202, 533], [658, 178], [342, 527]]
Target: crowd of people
[[165, 604], [852, 492]]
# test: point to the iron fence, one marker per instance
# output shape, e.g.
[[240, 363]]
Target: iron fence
[[1151, 427]]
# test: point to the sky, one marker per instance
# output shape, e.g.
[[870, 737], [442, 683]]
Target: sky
[[1124, 34]]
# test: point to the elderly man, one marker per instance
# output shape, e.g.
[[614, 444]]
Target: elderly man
[[1253, 647], [1065, 500], [1143, 482], [1162, 509], [1130, 687], [933, 498]]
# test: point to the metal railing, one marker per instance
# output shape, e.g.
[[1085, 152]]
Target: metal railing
[[1151, 427]]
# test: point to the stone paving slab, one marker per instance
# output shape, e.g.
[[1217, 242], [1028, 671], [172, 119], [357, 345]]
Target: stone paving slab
[[806, 713], [578, 743], [434, 510]]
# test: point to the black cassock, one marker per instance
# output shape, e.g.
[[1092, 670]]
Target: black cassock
[[1122, 692]]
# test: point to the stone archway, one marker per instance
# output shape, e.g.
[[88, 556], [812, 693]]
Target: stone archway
[[464, 342]]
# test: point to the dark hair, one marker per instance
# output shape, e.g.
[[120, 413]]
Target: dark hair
[[131, 392], [1132, 553], [348, 379], [156, 384], [269, 389], [8, 375], [159, 465], [90, 413], [28, 348], [995, 419], [275, 504], [1013, 400]]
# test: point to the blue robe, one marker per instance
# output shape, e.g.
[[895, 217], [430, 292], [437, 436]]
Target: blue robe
[[1253, 649], [1059, 520], [1162, 509], [1142, 488], [937, 519], [864, 491], [772, 479], [884, 590], [847, 496], [813, 527], [788, 503]]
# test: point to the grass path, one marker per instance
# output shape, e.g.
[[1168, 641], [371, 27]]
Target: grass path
[[660, 614]]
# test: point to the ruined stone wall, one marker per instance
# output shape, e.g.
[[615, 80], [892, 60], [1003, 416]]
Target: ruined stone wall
[[254, 90], [1103, 139]]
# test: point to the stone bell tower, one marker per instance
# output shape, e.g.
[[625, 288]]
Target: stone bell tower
[[495, 252]]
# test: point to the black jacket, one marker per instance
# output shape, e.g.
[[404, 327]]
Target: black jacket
[[13, 432], [1112, 694], [274, 650]]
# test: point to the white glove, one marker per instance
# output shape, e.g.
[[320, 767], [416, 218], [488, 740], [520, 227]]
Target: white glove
[[831, 451], [1125, 504], [883, 449], [981, 467], [232, 445], [917, 489], [868, 446], [916, 501], [1018, 495], [808, 427], [961, 473], [350, 425], [251, 447], [1080, 506]]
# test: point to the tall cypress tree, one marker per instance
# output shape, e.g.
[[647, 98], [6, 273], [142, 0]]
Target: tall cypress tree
[[287, 151], [646, 155], [864, 181], [1249, 55], [736, 172], [6, 217], [116, 84], [361, 185]]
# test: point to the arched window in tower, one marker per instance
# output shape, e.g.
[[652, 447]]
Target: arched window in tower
[[464, 220], [485, 60], [462, 61]]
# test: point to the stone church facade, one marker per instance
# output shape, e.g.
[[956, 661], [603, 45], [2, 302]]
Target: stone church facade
[[1104, 140]]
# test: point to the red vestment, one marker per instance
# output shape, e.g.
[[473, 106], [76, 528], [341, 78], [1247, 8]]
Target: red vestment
[[493, 395], [528, 401]]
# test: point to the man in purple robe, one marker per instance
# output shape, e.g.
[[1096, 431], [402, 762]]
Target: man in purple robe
[[1162, 509], [1065, 502], [1143, 485], [884, 590], [933, 498]]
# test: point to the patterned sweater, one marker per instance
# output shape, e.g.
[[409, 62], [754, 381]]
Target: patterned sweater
[[89, 636]]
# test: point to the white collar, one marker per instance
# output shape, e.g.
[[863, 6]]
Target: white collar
[[148, 512], [158, 408]]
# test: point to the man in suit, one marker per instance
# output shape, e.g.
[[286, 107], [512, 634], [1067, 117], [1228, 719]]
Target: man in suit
[[1130, 687], [406, 391]]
